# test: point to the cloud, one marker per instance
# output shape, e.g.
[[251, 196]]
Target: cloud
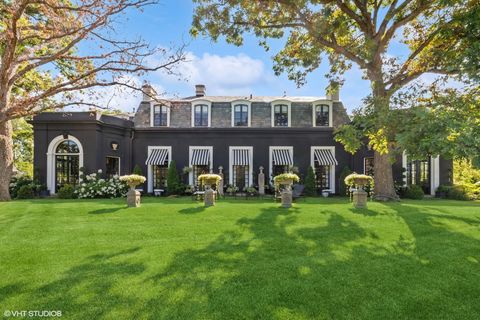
[[222, 75]]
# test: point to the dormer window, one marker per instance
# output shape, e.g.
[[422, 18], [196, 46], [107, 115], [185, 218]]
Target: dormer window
[[160, 116], [322, 115], [281, 114], [201, 115], [241, 114]]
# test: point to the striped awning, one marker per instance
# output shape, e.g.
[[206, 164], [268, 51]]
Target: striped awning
[[241, 157], [282, 157], [200, 157], [157, 157], [325, 157]]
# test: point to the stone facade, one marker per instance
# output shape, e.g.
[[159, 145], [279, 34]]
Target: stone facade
[[221, 115], [301, 115], [181, 115], [142, 116], [339, 116], [261, 115]]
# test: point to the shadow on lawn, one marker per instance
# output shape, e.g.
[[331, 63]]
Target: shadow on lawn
[[107, 210], [267, 268]]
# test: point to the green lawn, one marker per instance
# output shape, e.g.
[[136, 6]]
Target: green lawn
[[173, 259]]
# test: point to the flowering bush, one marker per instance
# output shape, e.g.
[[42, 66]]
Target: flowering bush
[[91, 186], [133, 180]]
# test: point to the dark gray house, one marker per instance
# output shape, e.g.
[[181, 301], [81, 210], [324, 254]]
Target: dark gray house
[[237, 135]]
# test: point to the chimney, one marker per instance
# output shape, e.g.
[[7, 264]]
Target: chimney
[[200, 90], [333, 91], [148, 92]]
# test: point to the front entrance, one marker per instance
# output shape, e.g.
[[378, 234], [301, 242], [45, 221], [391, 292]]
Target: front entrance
[[418, 173]]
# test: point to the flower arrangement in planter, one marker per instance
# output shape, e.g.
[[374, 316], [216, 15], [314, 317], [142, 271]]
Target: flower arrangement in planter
[[231, 189], [285, 178], [189, 189], [133, 180], [359, 180], [187, 170], [251, 190], [209, 179]]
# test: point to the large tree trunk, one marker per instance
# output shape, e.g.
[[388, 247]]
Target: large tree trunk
[[384, 185], [6, 159]]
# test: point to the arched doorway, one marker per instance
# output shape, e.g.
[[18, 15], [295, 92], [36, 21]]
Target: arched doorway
[[65, 158]]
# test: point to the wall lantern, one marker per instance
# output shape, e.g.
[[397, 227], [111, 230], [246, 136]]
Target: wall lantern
[[114, 145]]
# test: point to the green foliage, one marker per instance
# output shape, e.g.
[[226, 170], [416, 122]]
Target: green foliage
[[25, 192], [23, 146], [174, 186], [19, 181], [342, 187], [464, 191], [137, 170], [465, 172], [414, 192], [350, 136], [310, 189], [66, 192]]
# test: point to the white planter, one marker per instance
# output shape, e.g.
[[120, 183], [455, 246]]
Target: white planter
[[325, 194]]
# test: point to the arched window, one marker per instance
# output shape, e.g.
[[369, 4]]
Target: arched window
[[67, 146]]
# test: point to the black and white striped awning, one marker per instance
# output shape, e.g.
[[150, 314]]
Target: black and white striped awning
[[241, 157], [157, 157], [325, 157], [282, 157], [200, 157]]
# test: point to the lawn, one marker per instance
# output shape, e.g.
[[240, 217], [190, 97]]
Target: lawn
[[173, 259]]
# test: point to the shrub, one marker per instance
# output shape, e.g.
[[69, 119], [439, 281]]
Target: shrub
[[25, 192], [93, 187], [137, 170], [310, 189], [19, 181], [342, 187], [414, 192], [66, 192], [173, 181], [466, 191]]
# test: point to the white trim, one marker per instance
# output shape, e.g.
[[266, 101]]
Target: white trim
[[332, 167], [51, 158], [289, 110], [190, 152], [270, 157], [152, 112], [150, 167], [119, 164], [230, 164], [404, 166], [249, 112], [434, 174], [364, 166], [329, 103], [201, 102]]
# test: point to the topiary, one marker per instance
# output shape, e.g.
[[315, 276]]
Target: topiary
[[173, 181], [342, 187], [414, 192], [137, 170], [310, 189], [66, 192], [25, 192]]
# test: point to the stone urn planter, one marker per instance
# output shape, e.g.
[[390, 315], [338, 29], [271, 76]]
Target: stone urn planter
[[209, 180], [133, 196], [285, 181], [325, 194], [359, 181]]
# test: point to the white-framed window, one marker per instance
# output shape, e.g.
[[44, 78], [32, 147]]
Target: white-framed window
[[368, 166], [280, 158], [159, 115], [240, 166], [281, 113], [241, 113], [416, 171], [323, 162], [201, 113], [201, 161], [158, 160], [322, 114]]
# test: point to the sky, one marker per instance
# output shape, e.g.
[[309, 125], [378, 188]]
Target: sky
[[225, 69]]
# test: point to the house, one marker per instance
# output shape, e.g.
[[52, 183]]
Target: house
[[238, 135]]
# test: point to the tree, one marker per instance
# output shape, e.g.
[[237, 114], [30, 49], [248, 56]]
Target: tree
[[342, 187], [351, 31], [42, 66], [310, 189], [137, 170], [23, 146], [173, 180]]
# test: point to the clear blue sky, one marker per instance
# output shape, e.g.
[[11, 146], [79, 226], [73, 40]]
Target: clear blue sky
[[225, 69]]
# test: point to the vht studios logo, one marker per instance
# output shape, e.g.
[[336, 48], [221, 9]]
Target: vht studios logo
[[32, 313]]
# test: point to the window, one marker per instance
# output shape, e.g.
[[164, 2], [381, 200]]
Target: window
[[241, 177], [67, 168], [280, 115], [198, 170], [368, 166], [201, 161], [322, 177], [240, 115], [200, 115], [160, 116], [240, 166], [160, 176], [418, 172], [112, 166], [322, 115]]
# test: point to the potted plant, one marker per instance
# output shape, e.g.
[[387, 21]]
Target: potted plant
[[189, 189], [358, 180], [442, 191], [209, 179], [325, 193], [285, 179], [133, 196], [231, 189], [251, 191]]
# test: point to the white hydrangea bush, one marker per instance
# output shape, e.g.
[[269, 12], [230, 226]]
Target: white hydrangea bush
[[92, 186]]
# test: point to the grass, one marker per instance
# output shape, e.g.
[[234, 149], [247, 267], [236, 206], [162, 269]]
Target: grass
[[174, 259]]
